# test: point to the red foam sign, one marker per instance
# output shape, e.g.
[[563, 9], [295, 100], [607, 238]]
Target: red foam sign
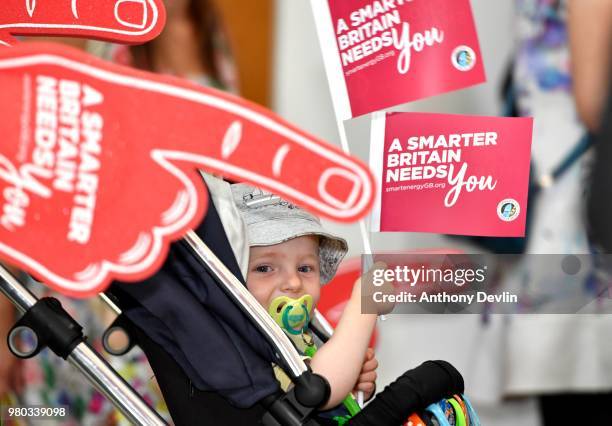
[[124, 21], [98, 164]]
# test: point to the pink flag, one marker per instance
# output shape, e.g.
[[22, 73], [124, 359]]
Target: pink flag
[[382, 53], [451, 174]]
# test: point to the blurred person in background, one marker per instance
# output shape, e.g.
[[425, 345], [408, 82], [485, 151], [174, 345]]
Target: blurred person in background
[[565, 360], [193, 45], [47, 380], [591, 46], [590, 31]]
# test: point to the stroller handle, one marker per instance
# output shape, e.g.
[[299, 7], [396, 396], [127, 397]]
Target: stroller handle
[[100, 374]]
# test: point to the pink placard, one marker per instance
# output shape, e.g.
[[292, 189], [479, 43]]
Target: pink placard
[[451, 174], [98, 164], [383, 53]]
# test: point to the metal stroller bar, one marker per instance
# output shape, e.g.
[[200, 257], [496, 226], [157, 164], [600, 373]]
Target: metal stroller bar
[[99, 373], [109, 383], [320, 323], [238, 292]]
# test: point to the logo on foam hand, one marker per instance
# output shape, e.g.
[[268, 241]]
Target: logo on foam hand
[[125, 21]]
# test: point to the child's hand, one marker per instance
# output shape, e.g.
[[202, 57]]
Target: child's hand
[[367, 288], [367, 378]]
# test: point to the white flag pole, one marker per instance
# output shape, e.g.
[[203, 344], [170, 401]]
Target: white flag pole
[[340, 100], [337, 85]]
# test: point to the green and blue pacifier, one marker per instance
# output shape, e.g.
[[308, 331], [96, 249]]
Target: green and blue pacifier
[[293, 315]]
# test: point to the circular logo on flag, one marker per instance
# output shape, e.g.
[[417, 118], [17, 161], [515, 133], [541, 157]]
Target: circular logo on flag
[[508, 209], [463, 58]]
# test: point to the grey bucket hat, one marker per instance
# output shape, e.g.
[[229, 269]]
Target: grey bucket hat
[[271, 220]]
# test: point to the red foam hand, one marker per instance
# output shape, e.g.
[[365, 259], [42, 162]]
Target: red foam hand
[[98, 164], [125, 21]]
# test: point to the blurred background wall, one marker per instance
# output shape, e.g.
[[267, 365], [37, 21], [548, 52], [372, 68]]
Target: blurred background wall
[[250, 26]]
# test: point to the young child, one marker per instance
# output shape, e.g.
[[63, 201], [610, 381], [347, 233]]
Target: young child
[[291, 256]]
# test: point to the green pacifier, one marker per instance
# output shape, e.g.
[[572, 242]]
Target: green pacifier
[[293, 315]]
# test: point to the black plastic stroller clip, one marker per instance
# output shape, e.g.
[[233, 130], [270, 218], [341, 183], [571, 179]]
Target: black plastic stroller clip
[[50, 325], [116, 339]]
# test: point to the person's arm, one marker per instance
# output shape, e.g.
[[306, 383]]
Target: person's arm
[[341, 358], [590, 32]]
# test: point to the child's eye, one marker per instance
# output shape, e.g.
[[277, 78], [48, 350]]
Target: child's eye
[[263, 268], [306, 268]]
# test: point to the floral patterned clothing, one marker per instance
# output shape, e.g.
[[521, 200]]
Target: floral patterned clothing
[[53, 382], [553, 353]]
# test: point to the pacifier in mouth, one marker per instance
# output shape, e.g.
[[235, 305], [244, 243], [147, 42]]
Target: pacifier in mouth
[[293, 315]]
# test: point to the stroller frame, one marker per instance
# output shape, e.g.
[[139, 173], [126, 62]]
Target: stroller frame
[[85, 359], [310, 391]]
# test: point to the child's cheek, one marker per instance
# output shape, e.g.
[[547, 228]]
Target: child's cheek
[[316, 294], [254, 289], [262, 292]]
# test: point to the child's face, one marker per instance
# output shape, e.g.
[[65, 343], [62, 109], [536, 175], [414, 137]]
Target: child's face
[[286, 269]]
